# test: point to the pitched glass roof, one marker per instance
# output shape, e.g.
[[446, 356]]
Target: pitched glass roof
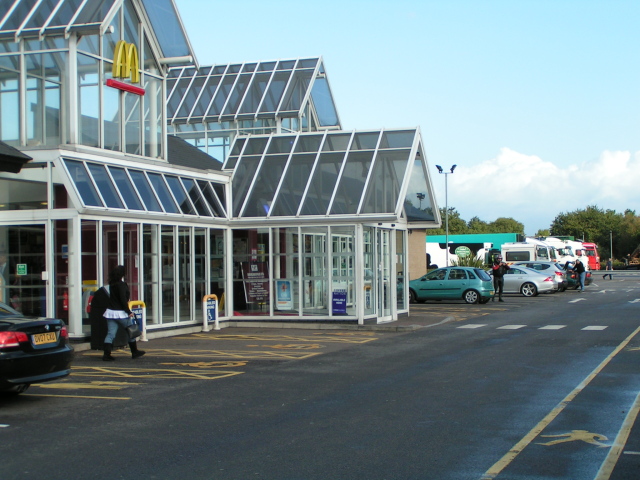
[[250, 91], [126, 188], [372, 173], [54, 17]]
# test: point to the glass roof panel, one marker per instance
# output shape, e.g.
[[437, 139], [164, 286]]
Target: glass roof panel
[[264, 188], [41, 14], [295, 181], [297, 90], [237, 94], [82, 181], [255, 92], [95, 11], [281, 144], [145, 190], [275, 91], [266, 66], [417, 204], [385, 182], [194, 194], [167, 28], [65, 13], [180, 195], [106, 187], [190, 96], [352, 182], [211, 198], [336, 142], [322, 184], [221, 97], [365, 141], [207, 92], [126, 189], [399, 139], [219, 191], [178, 93], [18, 15], [308, 143], [323, 103], [255, 145], [163, 193], [242, 178]]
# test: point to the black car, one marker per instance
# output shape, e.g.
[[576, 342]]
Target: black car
[[32, 350]]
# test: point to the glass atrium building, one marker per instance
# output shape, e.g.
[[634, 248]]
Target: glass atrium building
[[117, 147]]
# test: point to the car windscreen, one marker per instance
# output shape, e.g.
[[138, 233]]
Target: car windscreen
[[7, 311]]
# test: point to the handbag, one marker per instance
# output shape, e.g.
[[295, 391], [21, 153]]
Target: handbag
[[133, 330]]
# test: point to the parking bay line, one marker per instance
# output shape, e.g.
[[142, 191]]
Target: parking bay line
[[511, 455]]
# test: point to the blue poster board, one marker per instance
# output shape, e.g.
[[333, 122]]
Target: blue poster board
[[339, 301], [212, 310]]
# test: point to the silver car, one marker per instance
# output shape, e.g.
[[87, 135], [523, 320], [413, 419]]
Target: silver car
[[560, 274], [528, 282]]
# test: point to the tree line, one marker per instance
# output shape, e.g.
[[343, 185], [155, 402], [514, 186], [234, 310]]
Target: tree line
[[606, 228]]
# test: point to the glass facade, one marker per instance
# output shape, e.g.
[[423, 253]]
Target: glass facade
[[302, 222]]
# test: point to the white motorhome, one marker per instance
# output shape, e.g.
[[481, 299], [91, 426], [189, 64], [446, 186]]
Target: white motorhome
[[529, 250]]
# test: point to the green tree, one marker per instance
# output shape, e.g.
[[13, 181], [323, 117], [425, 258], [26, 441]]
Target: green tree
[[476, 225], [506, 225], [543, 232]]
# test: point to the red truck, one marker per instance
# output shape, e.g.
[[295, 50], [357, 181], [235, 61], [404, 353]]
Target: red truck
[[591, 251]]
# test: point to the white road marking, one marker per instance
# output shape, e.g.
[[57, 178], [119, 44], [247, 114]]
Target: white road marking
[[511, 327], [552, 327], [634, 301], [577, 300], [595, 327], [473, 325]]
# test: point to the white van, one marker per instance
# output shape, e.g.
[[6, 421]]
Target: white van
[[529, 250]]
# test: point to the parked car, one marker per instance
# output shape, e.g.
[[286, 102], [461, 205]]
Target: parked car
[[32, 350], [528, 282], [472, 285], [572, 277], [548, 268]]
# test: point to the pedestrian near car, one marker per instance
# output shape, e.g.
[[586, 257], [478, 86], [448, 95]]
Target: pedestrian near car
[[608, 267], [118, 313], [580, 268], [498, 269]]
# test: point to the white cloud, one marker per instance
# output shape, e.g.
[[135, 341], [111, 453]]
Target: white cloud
[[534, 192]]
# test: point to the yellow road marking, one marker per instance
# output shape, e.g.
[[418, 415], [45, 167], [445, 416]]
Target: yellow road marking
[[75, 396], [577, 436], [332, 338], [89, 386], [510, 456], [155, 373], [606, 469]]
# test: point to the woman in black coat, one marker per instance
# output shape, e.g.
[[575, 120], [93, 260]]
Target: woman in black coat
[[118, 313]]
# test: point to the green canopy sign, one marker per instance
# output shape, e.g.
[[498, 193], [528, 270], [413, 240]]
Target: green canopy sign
[[463, 251]]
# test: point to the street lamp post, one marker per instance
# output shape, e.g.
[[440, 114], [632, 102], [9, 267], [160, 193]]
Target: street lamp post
[[611, 244], [446, 207]]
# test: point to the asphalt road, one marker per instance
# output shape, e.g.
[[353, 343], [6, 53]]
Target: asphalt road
[[535, 388]]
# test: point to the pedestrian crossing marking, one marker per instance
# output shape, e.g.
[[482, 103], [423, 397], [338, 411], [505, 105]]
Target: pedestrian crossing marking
[[473, 325], [595, 327], [517, 327], [511, 327], [552, 327]]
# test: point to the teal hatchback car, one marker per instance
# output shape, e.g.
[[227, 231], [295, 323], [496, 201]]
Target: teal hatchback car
[[473, 285]]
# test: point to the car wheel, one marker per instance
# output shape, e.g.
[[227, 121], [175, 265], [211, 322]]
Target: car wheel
[[484, 300], [471, 296], [413, 298], [17, 389], [529, 290]]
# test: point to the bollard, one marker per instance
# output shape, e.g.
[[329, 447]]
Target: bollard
[[139, 308], [206, 308]]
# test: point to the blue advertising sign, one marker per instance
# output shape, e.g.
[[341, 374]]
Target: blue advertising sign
[[339, 301], [137, 311], [212, 310]]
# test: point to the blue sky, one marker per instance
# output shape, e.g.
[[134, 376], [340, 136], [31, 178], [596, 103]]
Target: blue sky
[[536, 101]]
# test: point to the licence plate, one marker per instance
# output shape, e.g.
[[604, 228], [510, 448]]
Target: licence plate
[[43, 338]]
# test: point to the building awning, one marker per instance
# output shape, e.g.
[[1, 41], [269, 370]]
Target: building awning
[[124, 188], [251, 91], [11, 159], [347, 175]]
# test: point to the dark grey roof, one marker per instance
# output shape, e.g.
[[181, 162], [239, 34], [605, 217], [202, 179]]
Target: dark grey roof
[[11, 159], [183, 154]]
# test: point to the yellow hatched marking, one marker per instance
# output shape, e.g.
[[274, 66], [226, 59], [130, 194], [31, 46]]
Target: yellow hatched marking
[[333, 338], [238, 354], [165, 373], [91, 397], [95, 385]]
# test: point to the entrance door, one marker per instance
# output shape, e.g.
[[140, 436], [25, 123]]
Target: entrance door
[[22, 261], [384, 284]]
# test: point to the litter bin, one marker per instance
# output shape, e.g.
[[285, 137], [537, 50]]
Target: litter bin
[[98, 305]]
